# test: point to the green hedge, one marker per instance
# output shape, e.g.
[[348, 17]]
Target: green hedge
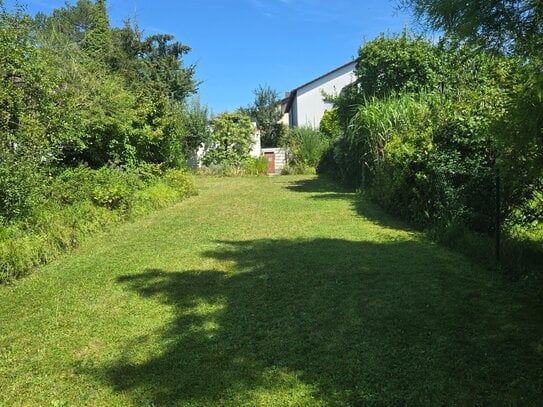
[[80, 202]]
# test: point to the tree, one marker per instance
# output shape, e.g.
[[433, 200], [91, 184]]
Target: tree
[[395, 64], [30, 114], [514, 28], [71, 22], [231, 139], [509, 25], [197, 125], [163, 66], [266, 111], [98, 41]]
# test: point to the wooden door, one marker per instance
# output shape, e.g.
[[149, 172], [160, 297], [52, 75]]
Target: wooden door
[[271, 162]]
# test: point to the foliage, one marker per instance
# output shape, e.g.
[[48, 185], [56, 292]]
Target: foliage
[[98, 38], [430, 156], [256, 166], [77, 91], [31, 115], [231, 140], [114, 187], [20, 181], [514, 29], [266, 111], [297, 168], [65, 100], [180, 181], [249, 166], [197, 126], [124, 93], [396, 63], [513, 26], [521, 150], [81, 201], [305, 145], [330, 125]]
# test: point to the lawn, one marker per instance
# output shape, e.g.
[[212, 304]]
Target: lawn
[[268, 291]]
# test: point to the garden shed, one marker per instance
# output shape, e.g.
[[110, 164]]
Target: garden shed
[[277, 159]]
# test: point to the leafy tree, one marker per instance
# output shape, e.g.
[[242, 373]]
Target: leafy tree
[[232, 137], [71, 22], [197, 126], [266, 111], [330, 125], [396, 63], [29, 114], [128, 107], [509, 25]]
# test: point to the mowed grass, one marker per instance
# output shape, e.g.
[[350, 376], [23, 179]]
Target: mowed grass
[[267, 291]]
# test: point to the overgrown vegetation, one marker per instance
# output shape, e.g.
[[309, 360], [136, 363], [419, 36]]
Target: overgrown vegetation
[[248, 166], [85, 108], [80, 201], [429, 129], [305, 146]]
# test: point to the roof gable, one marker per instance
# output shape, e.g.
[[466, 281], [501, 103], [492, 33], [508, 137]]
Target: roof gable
[[292, 94]]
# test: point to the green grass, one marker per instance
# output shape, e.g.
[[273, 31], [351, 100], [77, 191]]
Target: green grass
[[267, 291]]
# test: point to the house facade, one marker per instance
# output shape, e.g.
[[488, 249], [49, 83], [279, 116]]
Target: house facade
[[305, 105]]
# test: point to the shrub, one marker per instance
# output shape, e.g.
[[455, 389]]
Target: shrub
[[149, 172], [181, 182], [330, 125], [306, 145], [297, 169], [255, 166], [73, 185], [231, 139], [114, 187], [83, 201], [21, 187]]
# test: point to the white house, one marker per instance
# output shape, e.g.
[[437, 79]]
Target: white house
[[305, 105]]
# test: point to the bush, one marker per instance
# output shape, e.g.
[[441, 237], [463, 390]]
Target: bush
[[83, 201], [21, 187], [181, 182], [255, 166], [298, 169], [249, 166], [114, 187], [73, 185], [330, 125], [306, 146]]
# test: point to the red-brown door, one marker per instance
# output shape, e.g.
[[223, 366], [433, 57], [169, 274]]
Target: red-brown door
[[271, 162]]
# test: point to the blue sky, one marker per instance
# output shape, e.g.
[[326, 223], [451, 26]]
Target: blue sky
[[240, 44]]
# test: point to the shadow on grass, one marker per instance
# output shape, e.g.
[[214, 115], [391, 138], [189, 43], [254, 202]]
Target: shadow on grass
[[520, 260], [331, 321], [325, 188]]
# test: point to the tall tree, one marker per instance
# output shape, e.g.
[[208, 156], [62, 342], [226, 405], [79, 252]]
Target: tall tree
[[164, 66], [71, 22], [266, 111], [396, 63], [98, 39], [510, 25]]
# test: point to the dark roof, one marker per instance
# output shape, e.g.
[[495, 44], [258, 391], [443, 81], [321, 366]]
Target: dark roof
[[292, 94]]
